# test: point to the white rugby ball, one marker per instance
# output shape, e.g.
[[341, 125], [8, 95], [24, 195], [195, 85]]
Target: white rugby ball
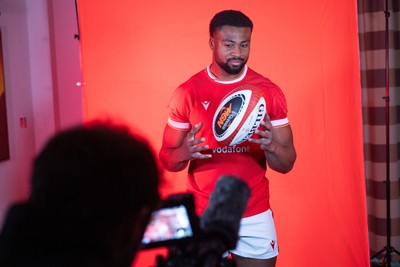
[[238, 115]]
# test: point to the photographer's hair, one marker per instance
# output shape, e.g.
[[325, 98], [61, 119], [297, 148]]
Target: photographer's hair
[[230, 18], [98, 175]]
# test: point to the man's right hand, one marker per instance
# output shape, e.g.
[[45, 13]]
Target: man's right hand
[[179, 147], [192, 144]]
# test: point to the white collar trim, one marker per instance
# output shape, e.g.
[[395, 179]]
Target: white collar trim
[[238, 79]]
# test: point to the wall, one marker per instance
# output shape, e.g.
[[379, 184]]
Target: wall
[[41, 61], [135, 53]]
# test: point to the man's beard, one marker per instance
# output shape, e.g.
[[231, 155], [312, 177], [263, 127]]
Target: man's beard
[[230, 69]]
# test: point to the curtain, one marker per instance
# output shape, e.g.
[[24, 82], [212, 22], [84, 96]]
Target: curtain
[[372, 26]]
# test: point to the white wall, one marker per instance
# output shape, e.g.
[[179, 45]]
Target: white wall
[[41, 68], [65, 55], [14, 173]]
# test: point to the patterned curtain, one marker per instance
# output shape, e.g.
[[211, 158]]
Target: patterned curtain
[[372, 32]]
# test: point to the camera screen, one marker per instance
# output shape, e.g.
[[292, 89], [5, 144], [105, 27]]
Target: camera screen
[[166, 224]]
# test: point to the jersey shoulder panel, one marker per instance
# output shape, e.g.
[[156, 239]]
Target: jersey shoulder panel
[[275, 98], [183, 100]]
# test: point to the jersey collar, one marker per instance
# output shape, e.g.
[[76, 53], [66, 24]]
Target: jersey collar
[[238, 79]]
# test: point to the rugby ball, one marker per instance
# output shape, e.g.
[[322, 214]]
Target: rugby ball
[[238, 115]]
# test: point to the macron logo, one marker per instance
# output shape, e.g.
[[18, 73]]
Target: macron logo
[[205, 104]]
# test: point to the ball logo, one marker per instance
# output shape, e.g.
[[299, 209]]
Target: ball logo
[[228, 113], [238, 116]]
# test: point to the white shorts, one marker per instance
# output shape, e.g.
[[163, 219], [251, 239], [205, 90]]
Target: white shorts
[[257, 237]]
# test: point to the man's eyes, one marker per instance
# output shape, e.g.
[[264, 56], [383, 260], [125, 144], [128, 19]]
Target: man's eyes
[[245, 45]]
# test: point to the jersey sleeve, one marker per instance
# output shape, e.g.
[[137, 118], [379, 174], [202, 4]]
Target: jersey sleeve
[[277, 109], [179, 110]]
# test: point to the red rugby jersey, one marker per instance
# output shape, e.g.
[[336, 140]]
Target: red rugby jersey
[[197, 100]]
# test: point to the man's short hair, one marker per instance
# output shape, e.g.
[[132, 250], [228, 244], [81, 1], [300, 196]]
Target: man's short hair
[[230, 18]]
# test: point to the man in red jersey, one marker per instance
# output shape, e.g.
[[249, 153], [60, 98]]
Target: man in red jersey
[[188, 136]]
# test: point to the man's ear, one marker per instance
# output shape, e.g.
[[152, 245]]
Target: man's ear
[[211, 42]]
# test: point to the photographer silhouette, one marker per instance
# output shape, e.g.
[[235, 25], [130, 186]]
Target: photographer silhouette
[[93, 189]]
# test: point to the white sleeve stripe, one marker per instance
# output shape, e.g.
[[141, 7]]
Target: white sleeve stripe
[[179, 125], [281, 122]]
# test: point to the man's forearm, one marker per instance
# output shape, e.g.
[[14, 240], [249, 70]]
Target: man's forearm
[[280, 158], [172, 159]]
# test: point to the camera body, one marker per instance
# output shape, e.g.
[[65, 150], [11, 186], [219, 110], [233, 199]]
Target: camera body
[[175, 226]]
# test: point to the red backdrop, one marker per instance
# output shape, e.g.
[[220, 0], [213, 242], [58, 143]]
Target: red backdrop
[[135, 53]]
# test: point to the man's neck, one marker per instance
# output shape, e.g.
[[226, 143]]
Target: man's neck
[[228, 78], [221, 75]]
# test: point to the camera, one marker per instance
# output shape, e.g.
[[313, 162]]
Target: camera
[[176, 226]]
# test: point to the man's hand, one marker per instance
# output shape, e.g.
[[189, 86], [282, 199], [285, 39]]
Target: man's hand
[[179, 147], [277, 144], [191, 145], [266, 135]]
